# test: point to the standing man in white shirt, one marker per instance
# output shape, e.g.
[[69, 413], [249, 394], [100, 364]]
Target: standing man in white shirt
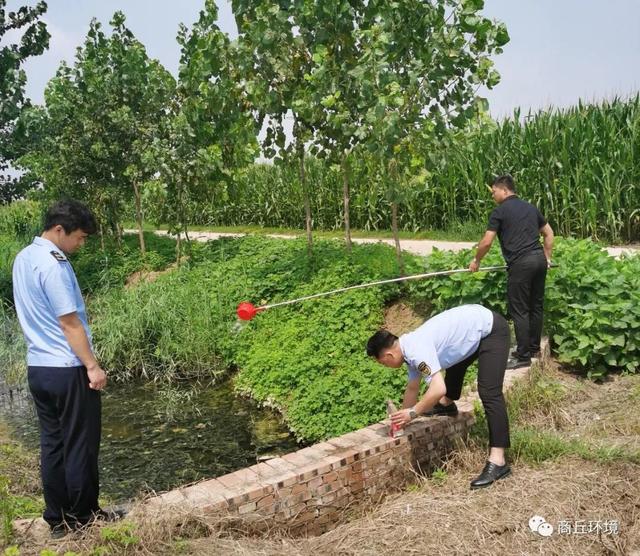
[[64, 375], [439, 352]]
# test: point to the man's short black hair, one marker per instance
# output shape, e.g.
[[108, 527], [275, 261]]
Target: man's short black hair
[[380, 341], [72, 215], [505, 181]]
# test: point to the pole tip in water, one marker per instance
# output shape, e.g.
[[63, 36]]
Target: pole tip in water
[[246, 310]]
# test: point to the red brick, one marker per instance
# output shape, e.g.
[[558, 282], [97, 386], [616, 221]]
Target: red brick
[[285, 480], [330, 477], [266, 501], [285, 492], [271, 510], [247, 508], [280, 465], [173, 497], [315, 483], [264, 471], [346, 458], [301, 497], [342, 442], [297, 459], [293, 511], [238, 499], [319, 451], [328, 498], [356, 486], [207, 494], [300, 487], [238, 478]]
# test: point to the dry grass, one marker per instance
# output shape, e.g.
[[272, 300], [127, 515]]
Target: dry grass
[[446, 517], [441, 515]]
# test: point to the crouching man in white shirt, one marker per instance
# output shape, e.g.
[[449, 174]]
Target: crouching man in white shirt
[[451, 341]]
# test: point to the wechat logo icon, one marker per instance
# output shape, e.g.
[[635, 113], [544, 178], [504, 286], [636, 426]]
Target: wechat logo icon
[[538, 524]]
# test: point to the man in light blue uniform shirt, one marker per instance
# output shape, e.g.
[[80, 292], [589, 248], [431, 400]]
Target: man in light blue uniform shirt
[[447, 344], [65, 378]]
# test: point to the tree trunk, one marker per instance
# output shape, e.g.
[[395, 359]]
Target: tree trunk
[[396, 236], [307, 202], [120, 233], [178, 249], [136, 193], [345, 200], [102, 246]]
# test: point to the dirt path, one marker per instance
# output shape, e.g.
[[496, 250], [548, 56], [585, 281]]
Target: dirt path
[[415, 246]]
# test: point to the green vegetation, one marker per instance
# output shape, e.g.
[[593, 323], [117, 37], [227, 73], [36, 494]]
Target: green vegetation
[[592, 303], [19, 484], [577, 165], [26, 27], [307, 360], [101, 269], [536, 436]]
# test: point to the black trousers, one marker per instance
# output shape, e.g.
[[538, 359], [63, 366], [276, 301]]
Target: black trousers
[[492, 355], [69, 413], [525, 296]]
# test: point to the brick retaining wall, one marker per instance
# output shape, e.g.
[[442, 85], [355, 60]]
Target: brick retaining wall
[[306, 492]]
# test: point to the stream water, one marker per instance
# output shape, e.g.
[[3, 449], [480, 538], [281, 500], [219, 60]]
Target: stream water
[[154, 438]]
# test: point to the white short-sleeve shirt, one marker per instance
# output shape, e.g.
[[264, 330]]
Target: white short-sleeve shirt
[[444, 340], [45, 288]]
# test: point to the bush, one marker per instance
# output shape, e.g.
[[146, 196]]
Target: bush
[[99, 269], [593, 309], [21, 220], [592, 302], [308, 360]]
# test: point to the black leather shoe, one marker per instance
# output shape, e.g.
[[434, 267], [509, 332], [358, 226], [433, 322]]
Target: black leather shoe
[[451, 410], [490, 474], [516, 363], [59, 531]]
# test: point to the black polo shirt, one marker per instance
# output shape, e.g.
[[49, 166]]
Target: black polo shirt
[[517, 224]]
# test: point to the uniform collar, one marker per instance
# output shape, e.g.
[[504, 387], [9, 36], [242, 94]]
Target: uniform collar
[[42, 242]]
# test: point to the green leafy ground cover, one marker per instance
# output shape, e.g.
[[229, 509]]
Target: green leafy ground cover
[[592, 302], [308, 359]]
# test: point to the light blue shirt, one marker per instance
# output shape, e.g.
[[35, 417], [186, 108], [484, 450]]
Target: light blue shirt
[[45, 288], [444, 340]]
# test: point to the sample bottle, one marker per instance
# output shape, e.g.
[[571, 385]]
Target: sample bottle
[[394, 430]]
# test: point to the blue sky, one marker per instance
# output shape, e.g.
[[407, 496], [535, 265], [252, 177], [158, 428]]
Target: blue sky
[[560, 50]]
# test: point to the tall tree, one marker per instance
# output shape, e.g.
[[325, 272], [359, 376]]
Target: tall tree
[[33, 42], [276, 60], [213, 132], [104, 115], [392, 70]]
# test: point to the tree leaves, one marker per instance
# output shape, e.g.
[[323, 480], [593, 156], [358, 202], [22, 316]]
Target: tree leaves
[[33, 42]]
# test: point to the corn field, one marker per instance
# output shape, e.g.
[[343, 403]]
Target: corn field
[[580, 166]]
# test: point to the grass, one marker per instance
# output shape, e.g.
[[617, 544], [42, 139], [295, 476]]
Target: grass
[[539, 429], [554, 477], [19, 484]]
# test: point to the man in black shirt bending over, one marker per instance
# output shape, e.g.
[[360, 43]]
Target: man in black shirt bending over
[[519, 225]]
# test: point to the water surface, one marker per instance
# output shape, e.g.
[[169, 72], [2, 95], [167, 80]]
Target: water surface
[[155, 438]]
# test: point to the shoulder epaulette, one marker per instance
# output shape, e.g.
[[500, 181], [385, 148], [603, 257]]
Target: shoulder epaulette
[[58, 256]]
